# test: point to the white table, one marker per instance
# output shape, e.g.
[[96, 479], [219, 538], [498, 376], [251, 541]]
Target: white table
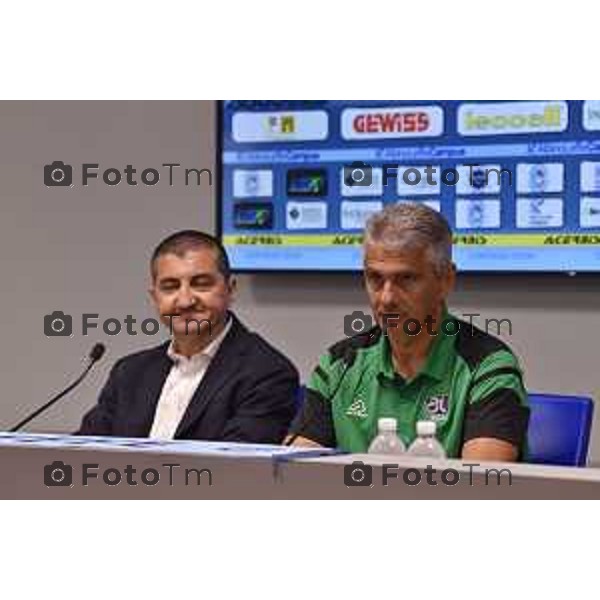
[[218, 470]]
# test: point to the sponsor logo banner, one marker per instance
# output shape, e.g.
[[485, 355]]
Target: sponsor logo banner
[[508, 118], [392, 122], [289, 126]]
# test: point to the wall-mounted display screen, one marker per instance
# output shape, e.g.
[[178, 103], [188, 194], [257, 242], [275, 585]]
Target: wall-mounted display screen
[[518, 181]]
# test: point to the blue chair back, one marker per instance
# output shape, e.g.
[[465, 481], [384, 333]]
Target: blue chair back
[[559, 429]]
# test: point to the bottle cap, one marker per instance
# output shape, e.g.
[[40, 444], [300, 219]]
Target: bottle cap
[[387, 424], [425, 428]]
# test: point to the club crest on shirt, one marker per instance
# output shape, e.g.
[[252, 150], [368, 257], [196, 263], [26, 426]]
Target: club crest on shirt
[[437, 407], [357, 409]]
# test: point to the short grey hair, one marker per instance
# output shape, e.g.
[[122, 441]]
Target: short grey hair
[[410, 224]]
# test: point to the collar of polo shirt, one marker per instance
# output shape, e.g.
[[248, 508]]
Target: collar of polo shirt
[[437, 363]]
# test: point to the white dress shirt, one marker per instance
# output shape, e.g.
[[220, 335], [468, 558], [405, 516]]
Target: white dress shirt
[[181, 383]]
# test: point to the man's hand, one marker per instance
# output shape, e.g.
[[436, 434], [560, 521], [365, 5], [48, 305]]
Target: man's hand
[[490, 449], [300, 442]]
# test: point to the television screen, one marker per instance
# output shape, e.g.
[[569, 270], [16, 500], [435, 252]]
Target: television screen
[[518, 181]]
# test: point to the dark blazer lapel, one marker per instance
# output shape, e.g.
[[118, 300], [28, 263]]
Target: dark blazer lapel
[[219, 371], [149, 389]]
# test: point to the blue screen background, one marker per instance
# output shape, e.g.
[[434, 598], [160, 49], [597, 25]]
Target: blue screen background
[[448, 150]]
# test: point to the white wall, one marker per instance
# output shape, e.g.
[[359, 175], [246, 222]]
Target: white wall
[[86, 250]]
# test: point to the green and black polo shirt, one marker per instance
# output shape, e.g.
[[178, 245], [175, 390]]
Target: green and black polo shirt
[[471, 385]]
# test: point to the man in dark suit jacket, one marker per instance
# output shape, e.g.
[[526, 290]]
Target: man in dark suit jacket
[[215, 380]]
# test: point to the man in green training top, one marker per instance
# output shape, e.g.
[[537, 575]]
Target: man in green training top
[[419, 362]]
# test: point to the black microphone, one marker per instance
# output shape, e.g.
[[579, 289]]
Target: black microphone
[[348, 357], [94, 356]]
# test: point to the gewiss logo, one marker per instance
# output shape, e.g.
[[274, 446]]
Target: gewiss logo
[[392, 122]]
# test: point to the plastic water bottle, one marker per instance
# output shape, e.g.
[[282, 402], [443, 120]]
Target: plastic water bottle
[[426, 444], [387, 441]]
